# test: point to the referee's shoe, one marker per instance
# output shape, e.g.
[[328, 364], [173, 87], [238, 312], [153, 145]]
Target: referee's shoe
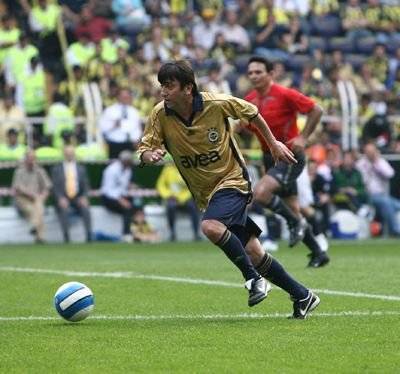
[[258, 290], [318, 260]]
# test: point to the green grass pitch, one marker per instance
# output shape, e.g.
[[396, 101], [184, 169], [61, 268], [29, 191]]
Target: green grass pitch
[[181, 308]]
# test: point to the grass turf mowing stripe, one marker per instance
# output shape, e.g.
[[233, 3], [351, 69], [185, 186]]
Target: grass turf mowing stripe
[[349, 313], [132, 275]]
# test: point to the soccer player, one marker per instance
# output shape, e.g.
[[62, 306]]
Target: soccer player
[[279, 106], [193, 127]]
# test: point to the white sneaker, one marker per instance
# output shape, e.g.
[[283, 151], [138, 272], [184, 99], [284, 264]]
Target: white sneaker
[[127, 238], [323, 242], [269, 245]]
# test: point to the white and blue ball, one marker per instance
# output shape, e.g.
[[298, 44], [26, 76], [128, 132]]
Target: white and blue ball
[[74, 301]]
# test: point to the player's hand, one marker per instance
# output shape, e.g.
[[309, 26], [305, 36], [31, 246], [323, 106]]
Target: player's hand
[[282, 153], [156, 155], [298, 143], [83, 201]]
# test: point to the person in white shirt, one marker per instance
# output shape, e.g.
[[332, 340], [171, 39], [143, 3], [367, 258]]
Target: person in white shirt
[[234, 32], [301, 7], [121, 125], [376, 173], [115, 185], [214, 81], [157, 46], [205, 31]]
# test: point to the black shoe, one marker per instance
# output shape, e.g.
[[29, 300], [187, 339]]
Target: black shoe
[[301, 308], [297, 232], [258, 290], [318, 260]]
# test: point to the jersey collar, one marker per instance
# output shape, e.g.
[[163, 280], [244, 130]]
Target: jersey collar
[[197, 106]]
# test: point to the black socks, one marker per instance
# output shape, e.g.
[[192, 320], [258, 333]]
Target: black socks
[[272, 270], [234, 250], [279, 207]]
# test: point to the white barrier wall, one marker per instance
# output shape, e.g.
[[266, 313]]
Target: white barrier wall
[[15, 229]]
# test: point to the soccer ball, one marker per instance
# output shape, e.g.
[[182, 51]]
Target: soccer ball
[[74, 301]]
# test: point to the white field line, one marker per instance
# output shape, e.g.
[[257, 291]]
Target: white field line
[[131, 275], [350, 313]]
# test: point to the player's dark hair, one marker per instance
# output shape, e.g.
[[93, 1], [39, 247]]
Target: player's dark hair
[[269, 66], [180, 71]]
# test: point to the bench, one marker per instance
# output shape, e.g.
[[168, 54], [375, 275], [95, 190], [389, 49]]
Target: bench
[[15, 229], [139, 192]]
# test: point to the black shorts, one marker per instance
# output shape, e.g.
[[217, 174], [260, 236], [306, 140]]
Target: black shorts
[[229, 206], [286, 174]]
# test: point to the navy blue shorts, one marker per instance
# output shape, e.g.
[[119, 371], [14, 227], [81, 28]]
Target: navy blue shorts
[[229, 206]]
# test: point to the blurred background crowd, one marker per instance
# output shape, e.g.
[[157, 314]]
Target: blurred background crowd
[[84, 73]]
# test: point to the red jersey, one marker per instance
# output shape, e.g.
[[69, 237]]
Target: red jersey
[[279, 107]]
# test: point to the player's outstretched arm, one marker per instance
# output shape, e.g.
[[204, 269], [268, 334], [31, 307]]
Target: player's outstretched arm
[[278, 150]]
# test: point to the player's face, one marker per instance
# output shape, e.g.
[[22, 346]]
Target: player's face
[[173, 94], [258, 75]]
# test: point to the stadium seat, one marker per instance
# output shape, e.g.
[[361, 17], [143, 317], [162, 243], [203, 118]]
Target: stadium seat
[[355, 60], [232, 78], [327, 26], [316, 42], [241, 63], [342, 44], [296, 62], [366, 45], [393, 46]]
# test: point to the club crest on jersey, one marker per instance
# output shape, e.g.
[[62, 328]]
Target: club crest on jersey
[[213, 135]]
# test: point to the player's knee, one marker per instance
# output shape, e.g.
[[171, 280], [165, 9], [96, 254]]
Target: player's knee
[[212, 230], [262, 194]]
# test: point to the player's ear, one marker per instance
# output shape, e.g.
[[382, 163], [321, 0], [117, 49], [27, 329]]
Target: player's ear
[[188, 88]]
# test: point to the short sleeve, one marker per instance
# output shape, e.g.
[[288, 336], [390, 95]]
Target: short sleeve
[[236, 108], [301, 103]]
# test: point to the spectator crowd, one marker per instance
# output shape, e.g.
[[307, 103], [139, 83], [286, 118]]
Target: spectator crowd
[[84, 73]]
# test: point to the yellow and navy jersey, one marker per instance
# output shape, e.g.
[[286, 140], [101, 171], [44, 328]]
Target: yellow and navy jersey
[[203, 148]]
